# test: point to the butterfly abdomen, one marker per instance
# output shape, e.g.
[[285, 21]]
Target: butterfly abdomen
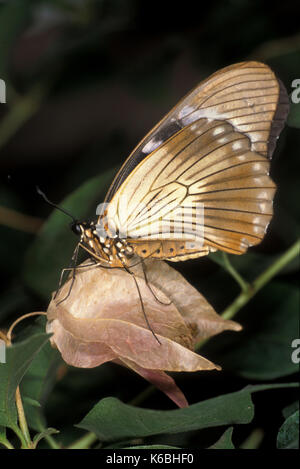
[[176, 250]]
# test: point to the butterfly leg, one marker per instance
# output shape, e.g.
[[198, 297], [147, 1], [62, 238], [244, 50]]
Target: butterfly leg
[[72, 268], [141, 300], [148, 285]]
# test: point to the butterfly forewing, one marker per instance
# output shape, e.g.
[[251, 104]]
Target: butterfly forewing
[[247, 94], [199, 181]]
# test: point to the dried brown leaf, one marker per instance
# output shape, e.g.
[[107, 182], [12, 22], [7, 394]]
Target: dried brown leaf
[[102, 319]]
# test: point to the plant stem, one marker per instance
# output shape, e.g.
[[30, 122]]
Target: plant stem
[[6, 443], [25, 316], [20, 435], [254, 440], [235, 274], [261, 280], [142, 396], [22, 419], [51, 442], [84, 442], [23, 431]]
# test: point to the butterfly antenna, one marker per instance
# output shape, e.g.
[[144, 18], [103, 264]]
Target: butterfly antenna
[[42, 194]]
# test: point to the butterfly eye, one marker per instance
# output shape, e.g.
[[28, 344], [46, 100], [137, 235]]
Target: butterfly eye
[[76, 228]]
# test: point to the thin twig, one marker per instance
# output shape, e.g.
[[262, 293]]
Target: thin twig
[[39, 313], [23, 432], [235, 274], [261, 281], [22, 419], [6, 443], [84, 442]]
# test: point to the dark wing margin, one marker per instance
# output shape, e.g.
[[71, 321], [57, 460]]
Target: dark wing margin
[[279, 118], [234, 94]]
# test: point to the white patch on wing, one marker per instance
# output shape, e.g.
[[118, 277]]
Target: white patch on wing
[[191, 117], [237, 145], [218, 130], [185, 111], [151, 145], [188, 114]]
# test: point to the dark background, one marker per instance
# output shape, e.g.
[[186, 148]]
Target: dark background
[[86, 80]]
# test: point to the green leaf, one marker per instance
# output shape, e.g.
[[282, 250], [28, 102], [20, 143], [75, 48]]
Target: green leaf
[[294, 115], [31, 402], [3, 434], [112, 420], [39, 380], [53, 247], [18, 359], [3, 440], [43, 434], [225, 442], [288, 435], [290, 409], [37, 385], [263, 349]]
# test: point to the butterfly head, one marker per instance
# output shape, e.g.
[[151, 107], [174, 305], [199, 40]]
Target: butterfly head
[[87, 233], [97, 247], [76, 227], [79, 228]]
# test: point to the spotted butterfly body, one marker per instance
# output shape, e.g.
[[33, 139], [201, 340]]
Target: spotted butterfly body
[[211, 151]]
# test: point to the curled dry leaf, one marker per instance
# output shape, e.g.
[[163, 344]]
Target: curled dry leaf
[[102, 320]]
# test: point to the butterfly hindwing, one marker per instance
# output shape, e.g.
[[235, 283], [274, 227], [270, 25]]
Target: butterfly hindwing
[[209, 166]]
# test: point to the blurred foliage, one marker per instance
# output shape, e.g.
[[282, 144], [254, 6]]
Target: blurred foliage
[[288, 435], [86, 79]]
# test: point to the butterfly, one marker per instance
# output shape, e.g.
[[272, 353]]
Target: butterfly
[[199, 180]]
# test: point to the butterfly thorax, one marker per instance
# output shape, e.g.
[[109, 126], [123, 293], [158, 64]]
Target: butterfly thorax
[[108, 250]]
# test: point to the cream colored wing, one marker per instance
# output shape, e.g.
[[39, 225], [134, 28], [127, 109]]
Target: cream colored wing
[[202, 174], [204, 185], [247, 95]]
